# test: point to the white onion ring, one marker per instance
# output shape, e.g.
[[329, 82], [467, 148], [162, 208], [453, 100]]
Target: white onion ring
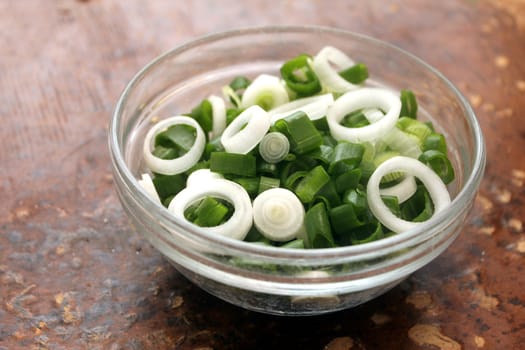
[[265, 84], [436, 188], [278, 214], [402, 190], [238, 224], [315, 107], [257, 123], [147, 184], [218, 108], [329, 77], [202, 175], [180, 164], [363, 98]]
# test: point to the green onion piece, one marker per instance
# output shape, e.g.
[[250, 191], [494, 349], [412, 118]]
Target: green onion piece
[[294, 244], [311, 184], [408, 104], [299, 77], [291, 181], [301, 132], [321, 124], [274, 147], [168, 185], [380, 158], [355, 119], [392, 203], [231, 114], [322, 154], [165, 152], [357, 198], [266, 183], [440, 163], [436, 142], [267, 168], [214, 145], [414, 127], [203, 114], [348, 153], [317, 225], [240, 83], [344, 219], [328, 195], [250, 184], [209, 212], [255, 236], [367, 233], [348, 180], [233, 164], [411, 208], [355, 74]]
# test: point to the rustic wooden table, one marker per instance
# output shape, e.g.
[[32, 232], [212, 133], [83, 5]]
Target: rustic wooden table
[[72, 276]]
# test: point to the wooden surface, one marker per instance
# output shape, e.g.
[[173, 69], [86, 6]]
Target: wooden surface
[[72, 276]]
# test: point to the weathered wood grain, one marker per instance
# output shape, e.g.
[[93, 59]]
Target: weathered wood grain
[[73, 277]]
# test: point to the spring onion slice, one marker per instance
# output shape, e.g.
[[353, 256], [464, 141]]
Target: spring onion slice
[[182, 163], [403, 190], [274, 147], [323, 65], [246, 131], [359, 99], [147, 184], [278, 214], [218, 115], [412, 167], [373, 114], [267, 91], [238, 225], [314, 107], [202, 175]]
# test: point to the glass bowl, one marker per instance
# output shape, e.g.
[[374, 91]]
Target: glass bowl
[[274, 280]]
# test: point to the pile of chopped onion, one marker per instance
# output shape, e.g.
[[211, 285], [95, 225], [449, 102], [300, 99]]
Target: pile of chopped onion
[[310, 158]]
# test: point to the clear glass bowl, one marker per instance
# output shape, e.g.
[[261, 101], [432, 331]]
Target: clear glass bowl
[[274, 280]]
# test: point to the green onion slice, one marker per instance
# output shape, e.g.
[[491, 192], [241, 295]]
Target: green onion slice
[[240, 222], [246, 131], [412, 167], [266, 91], [359, 99], [278, 214], [300, 77], [218, 108], [274, 147], [182, 163], [323, 65], [315, 107], [147, 184]]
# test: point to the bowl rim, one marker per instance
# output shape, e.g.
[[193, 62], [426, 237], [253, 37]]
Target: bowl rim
[[425, 230]]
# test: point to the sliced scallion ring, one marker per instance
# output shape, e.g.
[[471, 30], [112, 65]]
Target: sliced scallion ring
[[274, 147], [246, 131], [315, 107], [411, 167], [238, 225], [202, 175], [323, 65], [403, 190], [267, 91], [278, 214], [147, 184], [359, 99], [182, 163], [218, 115]]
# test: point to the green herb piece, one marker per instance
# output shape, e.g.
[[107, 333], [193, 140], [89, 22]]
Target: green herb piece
[[317, 227], [355, 74], [233, 164], [299, 77]]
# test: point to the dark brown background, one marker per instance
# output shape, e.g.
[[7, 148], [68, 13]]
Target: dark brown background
[[72, 276]]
